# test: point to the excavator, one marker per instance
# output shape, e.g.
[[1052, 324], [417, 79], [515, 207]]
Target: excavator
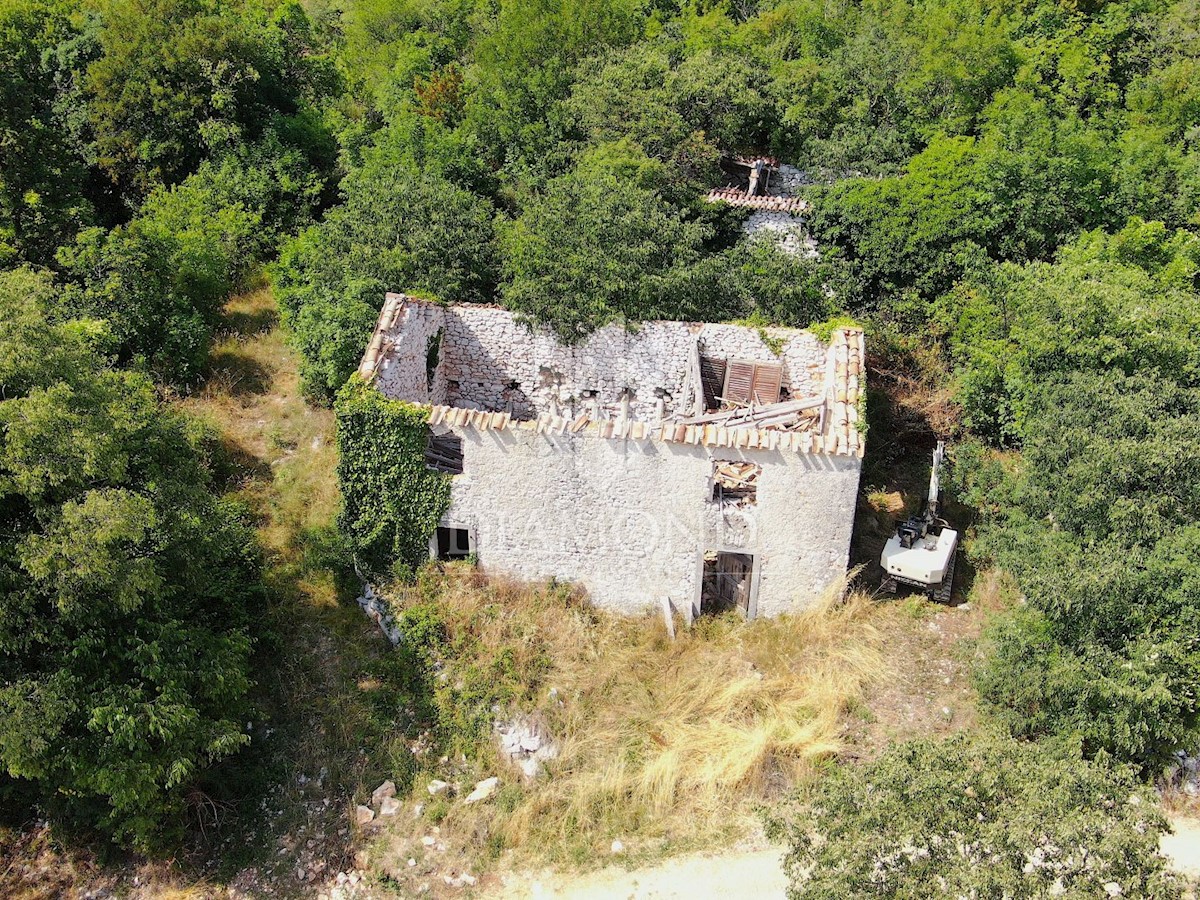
[[921, 553]]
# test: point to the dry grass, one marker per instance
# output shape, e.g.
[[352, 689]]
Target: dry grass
[[664, 744]]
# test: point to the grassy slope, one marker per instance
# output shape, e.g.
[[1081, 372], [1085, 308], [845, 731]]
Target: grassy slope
[[664, 745], [323, 723]]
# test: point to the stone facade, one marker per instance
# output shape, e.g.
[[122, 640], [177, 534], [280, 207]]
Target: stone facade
[[579, 462]]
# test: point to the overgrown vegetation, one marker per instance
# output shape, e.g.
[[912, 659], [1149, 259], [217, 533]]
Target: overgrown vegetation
[[128, 588], [1089, 365], [664, 744], [392, 501], [977, 816]]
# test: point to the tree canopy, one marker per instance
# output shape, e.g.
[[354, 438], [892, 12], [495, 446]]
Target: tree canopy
[[127, 587]]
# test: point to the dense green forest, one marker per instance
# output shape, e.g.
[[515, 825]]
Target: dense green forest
[[1007, 193]]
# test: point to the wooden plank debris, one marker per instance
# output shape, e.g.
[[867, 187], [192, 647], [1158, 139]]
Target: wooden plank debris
[[798, 414], [696, 378]]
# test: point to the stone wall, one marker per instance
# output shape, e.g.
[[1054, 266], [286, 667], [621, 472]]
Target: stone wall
[[789, 231], [488, 360], [630, 520]]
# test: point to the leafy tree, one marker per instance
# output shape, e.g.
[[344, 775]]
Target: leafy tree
[[781, 289], [176, 79], [1126, 301], [987, 817], [909, 231], [1089, 365], [126, 588], [400, 229], [594, 248], [161, 280], [631, 97], [523, 70], [42, 170], [1099, 525]]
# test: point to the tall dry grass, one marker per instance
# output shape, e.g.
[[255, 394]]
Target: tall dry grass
[[663, 743]]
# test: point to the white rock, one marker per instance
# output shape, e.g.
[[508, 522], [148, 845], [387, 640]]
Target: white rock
[[429, 840], [1113, 889], [618, 847], [483, 790], [389, 807], [383, 792], [437, 787], [363, 814], [531, 743]]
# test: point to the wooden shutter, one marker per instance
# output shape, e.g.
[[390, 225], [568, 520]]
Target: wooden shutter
[[712, 373], [747, 381], [739, 381], [768, 377]]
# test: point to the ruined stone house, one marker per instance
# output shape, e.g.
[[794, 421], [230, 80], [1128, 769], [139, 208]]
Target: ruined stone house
[[714, 466], [769, 189]]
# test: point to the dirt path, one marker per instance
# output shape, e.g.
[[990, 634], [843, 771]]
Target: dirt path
[[1182, 847], [752, 873]]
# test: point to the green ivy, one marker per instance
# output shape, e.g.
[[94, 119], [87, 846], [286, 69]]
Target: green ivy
[[392, 501]]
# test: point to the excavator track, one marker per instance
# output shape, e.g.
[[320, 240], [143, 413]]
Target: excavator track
[[943, 591]]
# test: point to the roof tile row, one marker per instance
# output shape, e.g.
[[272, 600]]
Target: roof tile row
[[737, 197]]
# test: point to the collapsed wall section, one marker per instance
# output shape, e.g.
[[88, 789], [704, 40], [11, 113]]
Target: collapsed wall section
[[405, 355], [491, 361]]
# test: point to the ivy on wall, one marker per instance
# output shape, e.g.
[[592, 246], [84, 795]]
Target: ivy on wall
[[392, 502]]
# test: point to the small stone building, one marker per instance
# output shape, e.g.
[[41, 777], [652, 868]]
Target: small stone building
[[769, 189], [714, 466]]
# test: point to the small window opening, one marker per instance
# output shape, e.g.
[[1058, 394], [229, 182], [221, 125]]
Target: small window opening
[[453, 543], [444, 452], [432, 354], [726, 584], [735, 482]]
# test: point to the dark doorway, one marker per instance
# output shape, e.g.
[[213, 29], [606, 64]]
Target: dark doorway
[[727, 583], [453, 543]]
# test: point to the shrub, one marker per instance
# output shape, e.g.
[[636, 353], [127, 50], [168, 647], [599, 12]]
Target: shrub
[[975, 817], [399, 230]]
